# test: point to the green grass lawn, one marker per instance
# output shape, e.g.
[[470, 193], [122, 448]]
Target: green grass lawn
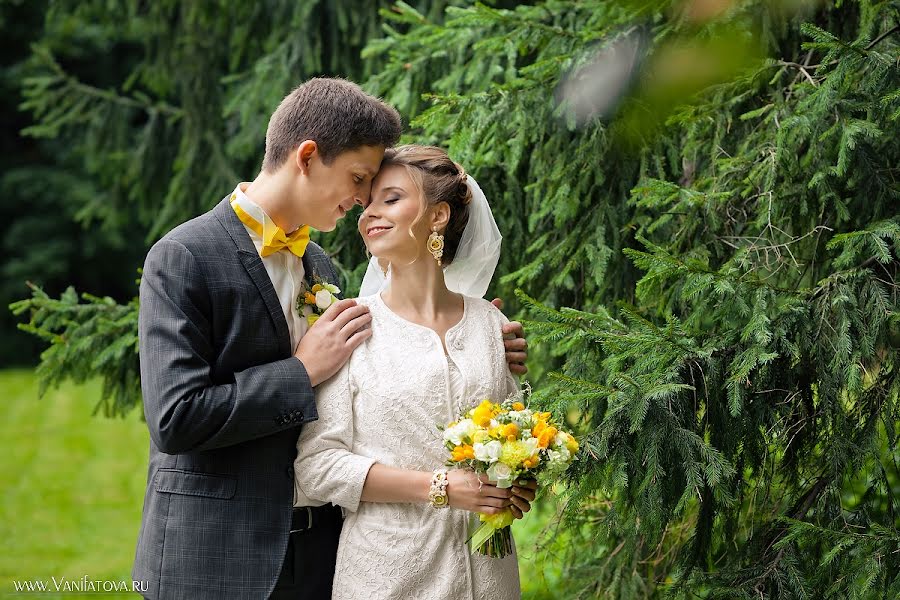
[[73, 486]]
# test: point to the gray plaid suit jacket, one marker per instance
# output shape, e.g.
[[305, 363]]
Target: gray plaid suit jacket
[[224, 400]]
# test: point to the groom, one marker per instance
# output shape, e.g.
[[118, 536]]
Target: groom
[[229, 367]]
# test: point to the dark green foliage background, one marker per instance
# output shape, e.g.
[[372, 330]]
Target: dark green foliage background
[[709, 277]]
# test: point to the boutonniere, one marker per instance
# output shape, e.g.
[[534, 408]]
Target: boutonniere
[[312, 302]]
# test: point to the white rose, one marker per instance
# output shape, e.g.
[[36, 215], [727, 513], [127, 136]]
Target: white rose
[[500, 473], [531, 443], [324, 299], [489, 452]]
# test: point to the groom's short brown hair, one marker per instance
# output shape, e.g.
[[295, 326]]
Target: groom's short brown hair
[[336, 114]]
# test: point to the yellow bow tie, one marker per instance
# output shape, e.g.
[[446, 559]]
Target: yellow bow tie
[[274, 239]]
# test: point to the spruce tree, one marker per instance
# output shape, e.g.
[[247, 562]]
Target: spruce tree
[[709, 275], [162, 137], [712, 276]]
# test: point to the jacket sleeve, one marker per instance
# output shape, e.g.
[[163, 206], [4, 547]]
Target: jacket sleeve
[[326, 469], [184, 411]]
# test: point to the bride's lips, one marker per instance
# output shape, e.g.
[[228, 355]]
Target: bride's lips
[[376, 231]]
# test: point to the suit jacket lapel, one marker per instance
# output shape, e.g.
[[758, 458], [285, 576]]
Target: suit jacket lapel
[[257, 271]]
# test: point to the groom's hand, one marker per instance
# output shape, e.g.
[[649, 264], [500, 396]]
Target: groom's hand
[[328, 344], [517, 347]]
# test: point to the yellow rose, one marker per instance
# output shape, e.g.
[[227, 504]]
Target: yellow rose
[[511, 431], [546, 437], [461, 453]]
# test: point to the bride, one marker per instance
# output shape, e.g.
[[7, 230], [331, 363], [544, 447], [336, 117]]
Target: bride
[[435, 349]]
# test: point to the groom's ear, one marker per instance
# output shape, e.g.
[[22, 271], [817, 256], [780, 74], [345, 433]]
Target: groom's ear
[[304, 153]]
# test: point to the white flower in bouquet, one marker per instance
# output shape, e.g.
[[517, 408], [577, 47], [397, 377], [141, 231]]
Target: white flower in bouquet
[[558, 460], [489, 453], [457, 433], [501, 473]]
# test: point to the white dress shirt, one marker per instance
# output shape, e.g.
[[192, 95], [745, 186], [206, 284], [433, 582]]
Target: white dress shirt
[[285, 268]]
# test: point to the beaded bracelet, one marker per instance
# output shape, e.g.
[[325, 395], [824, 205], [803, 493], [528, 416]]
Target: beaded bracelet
[[437, 495]]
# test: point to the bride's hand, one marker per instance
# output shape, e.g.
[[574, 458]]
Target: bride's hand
[[467, 491], [523, 495]]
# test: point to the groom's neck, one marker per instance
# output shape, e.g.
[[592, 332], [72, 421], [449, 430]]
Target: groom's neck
[[271, 193]]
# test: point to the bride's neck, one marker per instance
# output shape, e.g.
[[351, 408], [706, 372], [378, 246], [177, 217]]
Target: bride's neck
[[419, 290]]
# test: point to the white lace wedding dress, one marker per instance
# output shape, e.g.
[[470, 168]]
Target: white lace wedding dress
[[385, 406]]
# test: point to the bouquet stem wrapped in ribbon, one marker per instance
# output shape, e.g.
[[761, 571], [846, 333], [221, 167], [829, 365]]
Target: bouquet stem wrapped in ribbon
[[507, 442]]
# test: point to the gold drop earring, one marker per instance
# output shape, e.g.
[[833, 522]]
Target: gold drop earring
[[436, 245]]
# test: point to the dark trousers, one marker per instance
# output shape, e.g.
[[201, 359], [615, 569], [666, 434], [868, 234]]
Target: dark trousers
[[308, 567]]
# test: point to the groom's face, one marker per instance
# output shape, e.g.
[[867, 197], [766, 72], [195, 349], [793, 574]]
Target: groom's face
[[331, 190]]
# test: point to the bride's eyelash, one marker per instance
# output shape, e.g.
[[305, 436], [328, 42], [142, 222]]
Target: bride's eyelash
[[391, 200]]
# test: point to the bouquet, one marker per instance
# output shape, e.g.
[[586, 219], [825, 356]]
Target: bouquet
[[507, 442], [312, 302]]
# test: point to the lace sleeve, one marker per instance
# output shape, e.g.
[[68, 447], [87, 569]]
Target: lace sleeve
[[326, 468]]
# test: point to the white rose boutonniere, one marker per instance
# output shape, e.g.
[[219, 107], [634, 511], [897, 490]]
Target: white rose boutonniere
[[312, 302]]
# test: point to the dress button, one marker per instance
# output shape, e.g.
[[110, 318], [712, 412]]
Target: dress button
[[457, 344]]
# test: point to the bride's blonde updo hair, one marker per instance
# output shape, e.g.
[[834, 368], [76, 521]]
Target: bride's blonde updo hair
[[437, 179]]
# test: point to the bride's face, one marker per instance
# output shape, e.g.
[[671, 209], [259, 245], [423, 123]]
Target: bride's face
[[388, 224]]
